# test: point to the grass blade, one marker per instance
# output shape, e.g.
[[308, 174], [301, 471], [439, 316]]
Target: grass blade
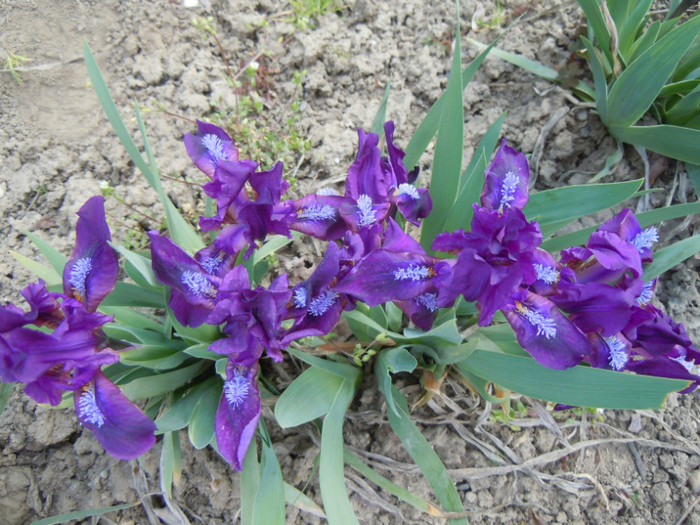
[[581, 89], [429, 125], [668, 257], [672, 141], [638, 86], [49, 275], [425, 457], [80, 514], [447, 163], [268, 508], [579, 386], [380, 117], [56, 259], [331, 469], [250, 482]]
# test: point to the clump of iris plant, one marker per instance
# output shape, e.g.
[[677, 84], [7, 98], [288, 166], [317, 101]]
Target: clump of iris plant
[[591, 305]]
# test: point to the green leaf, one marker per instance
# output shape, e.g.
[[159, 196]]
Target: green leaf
[[645, 219], [154, 356], [380, 117], [308, 397], [694, 176], [331, 469], [181, 412], [596, 23], [600, 83], [80, 514], [610, 161], [668, 257], [472, 181], [201, 351], [447, 162], [562, 205], [129, 317], [439, 336], [579, 386], [269, 500], [641, 82], [5, 393], [200, 428], [155, 384], [140, 263], [429, 125], [127, 294], [644, 42], [170, 462], [180, 230], [448, 355], [672, 141], [341, 369], [582, 89], [394, 316], [250, 482], [425, 457], [392, 361], [293, 496], [56, 259], [49, 275], [628, 17], [389, 486]]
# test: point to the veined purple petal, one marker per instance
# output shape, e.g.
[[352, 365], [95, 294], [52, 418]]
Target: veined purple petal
[[506, 182], [194, 290], [384, 276], [210, 146], [91, 271], [365, 176], [319, 216], [413, 203], [596, 306], [117, 423], [545, 333], [238, 413]]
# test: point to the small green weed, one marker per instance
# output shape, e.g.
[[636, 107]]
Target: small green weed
[[501, 416], [264, 127], [12, 62], [494, 21], [307, 12]]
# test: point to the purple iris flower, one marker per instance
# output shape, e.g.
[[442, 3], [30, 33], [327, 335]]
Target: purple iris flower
[[315, 304], [28, 355], [91, 271], [256, 218], [210, 147], [214, 261], [226, 188], [253, 317], [494, 259], [597, 306], [506, 182], [319, 216], [613, 352], [545, 332], [238, 413], [193, 288], [117, 423]]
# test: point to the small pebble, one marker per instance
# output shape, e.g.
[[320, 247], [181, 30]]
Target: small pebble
[[694, 480], [636, 424], [582, 115]]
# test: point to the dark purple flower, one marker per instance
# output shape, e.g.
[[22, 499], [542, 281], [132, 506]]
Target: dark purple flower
[[365, 176], [238, 413], [91, 271], [209, 147], [506, 183], [413, 203], [545, 333], [315, 304], [627, 228], [319, 216], [227, 190], [117, 423], [193, 289]]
